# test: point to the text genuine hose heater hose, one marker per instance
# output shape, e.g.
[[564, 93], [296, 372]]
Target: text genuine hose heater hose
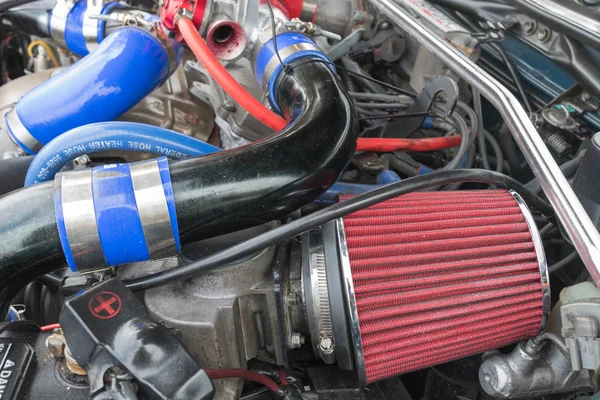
[[218, 193]]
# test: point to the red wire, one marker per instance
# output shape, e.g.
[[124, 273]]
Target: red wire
[[283, 377], [50, 327], [245, 374], [223, 78], [426, 144]]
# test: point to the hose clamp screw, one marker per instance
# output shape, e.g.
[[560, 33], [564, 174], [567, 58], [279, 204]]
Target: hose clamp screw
[[326, 344]]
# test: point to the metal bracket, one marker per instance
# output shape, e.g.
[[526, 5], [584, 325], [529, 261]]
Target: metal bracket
[[405, 127]]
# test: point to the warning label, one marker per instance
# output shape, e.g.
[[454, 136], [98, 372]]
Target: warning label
[[105, 305]]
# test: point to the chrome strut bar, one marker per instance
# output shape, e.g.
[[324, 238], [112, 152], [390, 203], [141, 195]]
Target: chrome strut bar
[[582, 232]]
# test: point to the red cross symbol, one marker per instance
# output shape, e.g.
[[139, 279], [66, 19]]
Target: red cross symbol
[[105, 305]]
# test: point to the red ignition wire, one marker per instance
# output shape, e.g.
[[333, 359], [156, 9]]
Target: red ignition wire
[[245, 374], [426, 144], [283, 377], [50, 327], [223, 78]]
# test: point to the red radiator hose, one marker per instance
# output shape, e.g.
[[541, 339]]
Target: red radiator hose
[[223, 78], [245, 374], [426, 144]]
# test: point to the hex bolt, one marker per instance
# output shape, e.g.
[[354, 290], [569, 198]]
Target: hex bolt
[[297, 340], [384, 25], [529, 27], [358, 16], [82, 161], [544, 35], [228, 105]]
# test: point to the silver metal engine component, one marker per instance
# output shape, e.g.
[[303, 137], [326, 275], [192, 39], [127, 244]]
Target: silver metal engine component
[[421, 64], [546, 364], [570, 212], [227, 25], [225, 317], [531, 370], [581, 328], [337, 16], [170, 106], [237, 126]]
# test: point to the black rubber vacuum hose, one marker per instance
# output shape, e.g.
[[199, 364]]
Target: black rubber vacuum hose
[[216, 194]]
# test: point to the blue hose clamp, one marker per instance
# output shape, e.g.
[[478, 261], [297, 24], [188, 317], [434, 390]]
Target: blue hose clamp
[[291, 46], [72, 25], [116, 214]]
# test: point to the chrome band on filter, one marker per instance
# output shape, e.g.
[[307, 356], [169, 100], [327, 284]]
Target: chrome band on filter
[[116, 214], [539, 249]]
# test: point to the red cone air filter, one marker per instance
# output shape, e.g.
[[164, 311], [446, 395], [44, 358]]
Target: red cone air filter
[[438, 276]]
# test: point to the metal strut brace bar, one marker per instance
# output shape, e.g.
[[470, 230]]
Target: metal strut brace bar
[[582, 232]]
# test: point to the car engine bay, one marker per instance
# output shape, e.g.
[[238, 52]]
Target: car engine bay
[[300, 199]]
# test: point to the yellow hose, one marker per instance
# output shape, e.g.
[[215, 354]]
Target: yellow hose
[[46, 47]]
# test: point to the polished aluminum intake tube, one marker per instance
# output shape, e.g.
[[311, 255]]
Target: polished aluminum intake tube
[[582, 232]]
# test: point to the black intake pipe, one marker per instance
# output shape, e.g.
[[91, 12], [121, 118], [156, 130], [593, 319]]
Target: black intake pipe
[[215, 194]]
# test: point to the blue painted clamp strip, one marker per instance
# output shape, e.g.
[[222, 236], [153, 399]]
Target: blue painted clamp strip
[[117, 216]]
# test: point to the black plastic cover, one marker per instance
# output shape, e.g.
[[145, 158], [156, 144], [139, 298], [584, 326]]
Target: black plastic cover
[[16, 362], [108, 325]]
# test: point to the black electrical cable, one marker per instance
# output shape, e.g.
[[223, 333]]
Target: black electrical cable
[[338, 210], [480, 136], [509, 65], [569, 169], [463, 130], [381, 106], [489, 138], [353, 73], [274, 33], [564, 262], [511, 69], [388, 116]]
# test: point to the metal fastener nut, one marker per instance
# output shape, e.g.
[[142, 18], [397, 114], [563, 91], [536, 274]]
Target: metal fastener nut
[[544, 35], [228, 105], [55, 344], [297, 340], [529, 27], [82, 161]]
